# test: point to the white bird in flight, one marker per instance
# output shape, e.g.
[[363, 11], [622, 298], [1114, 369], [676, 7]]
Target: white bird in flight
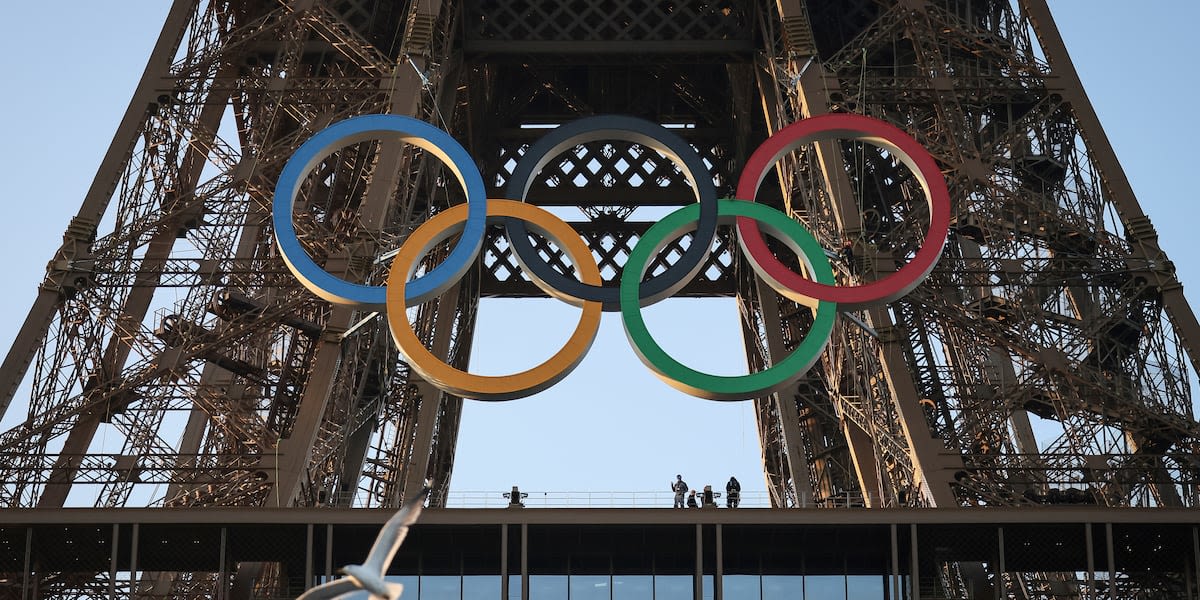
[[369, 576]]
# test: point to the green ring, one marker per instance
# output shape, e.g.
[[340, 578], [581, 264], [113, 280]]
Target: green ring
[[720, 387]]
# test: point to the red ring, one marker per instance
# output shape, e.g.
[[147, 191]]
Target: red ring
[[855, 127]]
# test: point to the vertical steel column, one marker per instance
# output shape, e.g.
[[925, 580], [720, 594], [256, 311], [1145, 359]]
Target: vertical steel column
[[1188, 576], [1091, 558], [719, 574], [112, 562], [895, 582], [916, 573], [1112, 563], [999, 587], [866, 464], [133, 556], [308, 556], [28, 559], [698, 576], [1196, 554], [504, 562], [524, 561], [328, 551], [222, 590]]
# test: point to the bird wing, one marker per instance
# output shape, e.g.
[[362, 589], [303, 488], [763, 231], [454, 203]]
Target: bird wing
[[393, 533], [330, 590]]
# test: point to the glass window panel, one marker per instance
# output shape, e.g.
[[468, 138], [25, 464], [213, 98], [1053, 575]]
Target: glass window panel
[[440, 587], [633, 587], [410, 582], [706, 587], [832, 587], [547, 587], [481, 587], [673, 587], [514, 587], [590, 587], [741, 587], [783, 587], [865, 587]]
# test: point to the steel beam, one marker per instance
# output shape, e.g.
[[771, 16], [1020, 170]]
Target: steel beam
[[1064, 80], [934, 464]]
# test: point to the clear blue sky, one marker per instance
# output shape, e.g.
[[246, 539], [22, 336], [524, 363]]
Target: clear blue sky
[[69, 72]]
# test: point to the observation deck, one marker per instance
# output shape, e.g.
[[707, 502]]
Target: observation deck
[[610, 553]]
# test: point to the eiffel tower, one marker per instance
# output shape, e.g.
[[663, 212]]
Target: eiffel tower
[[1046, 361]]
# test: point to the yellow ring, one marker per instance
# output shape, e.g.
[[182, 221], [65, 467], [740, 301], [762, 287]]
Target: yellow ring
[[488, 387]]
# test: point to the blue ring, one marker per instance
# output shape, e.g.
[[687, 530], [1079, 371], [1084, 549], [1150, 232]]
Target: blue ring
[[360, 129]]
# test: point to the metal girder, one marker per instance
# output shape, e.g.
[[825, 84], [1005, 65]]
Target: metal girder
[[60, 278]]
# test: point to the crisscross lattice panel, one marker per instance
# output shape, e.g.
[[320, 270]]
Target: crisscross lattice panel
[[611, 173], [610, 20], [611, 245]]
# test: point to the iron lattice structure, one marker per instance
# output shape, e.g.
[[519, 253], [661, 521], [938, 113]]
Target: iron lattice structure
[[1046, 360]]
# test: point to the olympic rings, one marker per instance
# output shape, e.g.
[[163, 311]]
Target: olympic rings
[[631, 129], [361, 129], [717, 387], [857, 127], [817, 290], [482, 387]]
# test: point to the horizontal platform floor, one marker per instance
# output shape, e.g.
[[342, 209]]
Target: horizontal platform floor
[[891, 551]]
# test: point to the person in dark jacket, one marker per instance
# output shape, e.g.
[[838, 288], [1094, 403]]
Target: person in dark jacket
[[733, 493], [680, 487], [692, 500]]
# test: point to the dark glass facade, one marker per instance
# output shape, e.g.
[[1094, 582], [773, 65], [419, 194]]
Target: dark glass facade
[[534, 554]]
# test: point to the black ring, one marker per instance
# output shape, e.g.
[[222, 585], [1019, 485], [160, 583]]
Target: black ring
[[629, 129]]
